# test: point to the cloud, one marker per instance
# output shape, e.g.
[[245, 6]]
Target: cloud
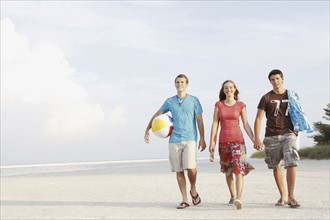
[[40, 76], [88, 92]]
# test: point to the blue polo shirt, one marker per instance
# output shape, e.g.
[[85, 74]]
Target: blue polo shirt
[[184, 117]]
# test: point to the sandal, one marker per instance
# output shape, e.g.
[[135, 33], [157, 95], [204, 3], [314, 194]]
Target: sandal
[[238, 204], [280, 202], [293, 204], [183, 205], [231, 202], [195, 199]]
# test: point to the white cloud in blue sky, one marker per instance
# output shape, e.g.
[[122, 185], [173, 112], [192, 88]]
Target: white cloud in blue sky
[[80, 80]]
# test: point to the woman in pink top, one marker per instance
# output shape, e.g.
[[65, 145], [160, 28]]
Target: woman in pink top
[[232, 148]]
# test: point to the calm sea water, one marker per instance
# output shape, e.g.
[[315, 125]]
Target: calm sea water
[[73, 167], [138, 166]]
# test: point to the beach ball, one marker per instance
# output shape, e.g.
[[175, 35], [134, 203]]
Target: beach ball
[[162, 125]]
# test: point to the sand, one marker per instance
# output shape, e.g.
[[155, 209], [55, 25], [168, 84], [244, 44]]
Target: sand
[[150, 191]]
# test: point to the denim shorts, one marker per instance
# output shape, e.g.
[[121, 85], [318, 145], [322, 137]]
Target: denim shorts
[[281, 148]]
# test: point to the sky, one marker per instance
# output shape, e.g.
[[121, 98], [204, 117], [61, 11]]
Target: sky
[[80, 80]]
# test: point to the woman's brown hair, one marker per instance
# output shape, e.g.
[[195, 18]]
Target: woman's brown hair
[[222, 95]]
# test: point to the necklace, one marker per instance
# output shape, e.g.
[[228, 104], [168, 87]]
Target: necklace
[[180, 101]]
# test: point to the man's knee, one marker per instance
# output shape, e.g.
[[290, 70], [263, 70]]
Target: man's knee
[[192, 171]]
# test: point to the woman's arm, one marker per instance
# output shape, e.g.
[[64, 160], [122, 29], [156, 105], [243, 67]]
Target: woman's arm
[[214, 130], [246, 125]]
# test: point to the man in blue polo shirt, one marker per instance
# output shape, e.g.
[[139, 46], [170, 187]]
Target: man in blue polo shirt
[[186, 110]]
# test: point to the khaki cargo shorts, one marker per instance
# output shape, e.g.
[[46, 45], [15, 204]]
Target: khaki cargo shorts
[[182, 155]]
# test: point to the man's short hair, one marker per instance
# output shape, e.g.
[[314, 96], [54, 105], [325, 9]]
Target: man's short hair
[[181, 75], [275, 72]]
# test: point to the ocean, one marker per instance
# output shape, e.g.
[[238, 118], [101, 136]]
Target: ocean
[[115, 166], [137, 166]]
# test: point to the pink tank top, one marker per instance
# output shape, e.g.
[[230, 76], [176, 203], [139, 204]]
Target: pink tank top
[[230, 130]]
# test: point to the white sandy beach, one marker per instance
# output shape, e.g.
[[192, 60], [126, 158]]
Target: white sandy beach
[[150, 191]]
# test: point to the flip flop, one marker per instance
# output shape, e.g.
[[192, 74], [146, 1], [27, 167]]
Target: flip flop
[[238, 204], [183, 205], [293, 204], [281, 203], [195, 199]]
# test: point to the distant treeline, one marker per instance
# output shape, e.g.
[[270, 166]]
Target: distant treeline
[[317, 152]]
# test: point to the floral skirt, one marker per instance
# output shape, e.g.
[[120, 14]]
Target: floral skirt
[[233, 158]]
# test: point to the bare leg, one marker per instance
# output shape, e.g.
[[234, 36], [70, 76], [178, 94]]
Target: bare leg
[[231, 186], [239, 188], [192, 175], [279, 182], [239, 185], [291, 178], [182, 185]]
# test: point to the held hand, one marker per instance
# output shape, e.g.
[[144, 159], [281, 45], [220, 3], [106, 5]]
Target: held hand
[[258, 145], [259, 148]]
